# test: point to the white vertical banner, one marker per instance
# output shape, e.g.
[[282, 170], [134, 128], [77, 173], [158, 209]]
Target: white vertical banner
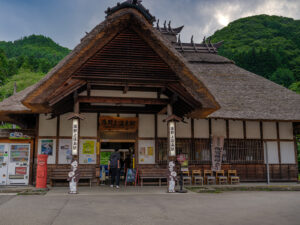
[[172, 141], [75, 129]]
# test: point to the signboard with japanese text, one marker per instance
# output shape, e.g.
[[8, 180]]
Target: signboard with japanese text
[[120, 124], [217, 152], [75, 128], [172, 142]]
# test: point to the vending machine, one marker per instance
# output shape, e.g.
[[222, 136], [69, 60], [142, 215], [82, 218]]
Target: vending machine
[[3, 163], [18, 167]]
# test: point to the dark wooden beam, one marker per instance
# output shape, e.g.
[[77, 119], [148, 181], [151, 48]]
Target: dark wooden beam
[[118, 100], [113, 109]]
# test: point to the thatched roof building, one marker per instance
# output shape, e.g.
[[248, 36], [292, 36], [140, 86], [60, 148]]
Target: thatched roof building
[[222, 89]]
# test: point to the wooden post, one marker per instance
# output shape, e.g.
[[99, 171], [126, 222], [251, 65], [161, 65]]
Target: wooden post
[[171, 150]]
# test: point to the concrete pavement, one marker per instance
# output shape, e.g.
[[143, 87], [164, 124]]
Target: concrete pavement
[[146, 207]]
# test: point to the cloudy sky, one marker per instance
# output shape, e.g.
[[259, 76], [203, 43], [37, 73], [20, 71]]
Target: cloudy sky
[[66, 21]]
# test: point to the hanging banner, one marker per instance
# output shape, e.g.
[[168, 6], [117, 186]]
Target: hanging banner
[[172, 144], [75, 137], [217, 152]]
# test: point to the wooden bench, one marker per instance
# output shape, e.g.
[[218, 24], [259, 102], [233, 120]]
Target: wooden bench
[[153, 174], [62, 174]]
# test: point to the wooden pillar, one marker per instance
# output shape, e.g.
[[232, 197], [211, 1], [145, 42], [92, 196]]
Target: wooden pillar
[[57, 139], [171, 151], [156, 139], [193, 150], [279, 150]]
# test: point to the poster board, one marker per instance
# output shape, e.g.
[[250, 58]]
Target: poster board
[[65, 151], [146, 151], [48, 147], [104, 157], [87, 153]]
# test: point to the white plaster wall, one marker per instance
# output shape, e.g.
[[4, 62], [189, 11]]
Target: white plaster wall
[[183, 130], [236, 129], [269, 130], [146, 126], [47, 127], [252, 130], [218, 127], [65, 126], [201, 128], [162, 126], [88, 126], [51, 158], [286, 130], [272, 152], [287, 152]]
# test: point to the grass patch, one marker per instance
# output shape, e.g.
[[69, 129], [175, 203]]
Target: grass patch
[[33, 192]]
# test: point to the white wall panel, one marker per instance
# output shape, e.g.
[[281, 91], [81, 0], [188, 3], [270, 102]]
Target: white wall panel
[[201, 128], [287, 152], [161, 126], [236, 129], [183, 130], [146, 126], [269, 130], [272, 152], [47, 127], [286, 130], [252, 130], [65, 126], [218, 127], [88, 126]]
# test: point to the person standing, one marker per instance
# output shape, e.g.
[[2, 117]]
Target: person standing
[[114, 167]]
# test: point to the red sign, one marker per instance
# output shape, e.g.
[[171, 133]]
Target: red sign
[[181, 158], [21, 170]]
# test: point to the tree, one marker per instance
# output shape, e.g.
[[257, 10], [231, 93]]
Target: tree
[[283, 77]]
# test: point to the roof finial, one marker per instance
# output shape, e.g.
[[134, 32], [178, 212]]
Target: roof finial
[[15, 87], [192, 40], [204, 40], [165, 24], [157, 24]]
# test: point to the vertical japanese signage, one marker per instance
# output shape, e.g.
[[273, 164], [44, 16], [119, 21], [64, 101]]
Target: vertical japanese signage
[[217, 153], [75, 137], [172, 143]]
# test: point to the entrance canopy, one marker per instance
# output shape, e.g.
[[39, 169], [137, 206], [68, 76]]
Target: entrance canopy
[[124, 53]]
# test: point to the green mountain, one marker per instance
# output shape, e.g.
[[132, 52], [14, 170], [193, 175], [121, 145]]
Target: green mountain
[[26, 61], [266, 45]]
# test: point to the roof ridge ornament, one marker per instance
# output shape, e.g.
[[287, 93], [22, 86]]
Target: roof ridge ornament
[[135, 4]]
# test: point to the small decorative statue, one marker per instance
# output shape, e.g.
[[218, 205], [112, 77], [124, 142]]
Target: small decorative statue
[[172, 177], [73, 177]]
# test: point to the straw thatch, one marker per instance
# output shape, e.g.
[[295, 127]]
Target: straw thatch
[[214, 80]]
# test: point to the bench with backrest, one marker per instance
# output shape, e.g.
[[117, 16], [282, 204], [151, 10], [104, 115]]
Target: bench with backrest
[[153, 176], [62, 174]]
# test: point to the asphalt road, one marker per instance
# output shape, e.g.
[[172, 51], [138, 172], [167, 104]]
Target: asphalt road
[[240, 208]]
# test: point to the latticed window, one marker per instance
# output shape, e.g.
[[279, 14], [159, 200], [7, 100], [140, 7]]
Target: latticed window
[[202, 151], [243, 151], [183, 146]]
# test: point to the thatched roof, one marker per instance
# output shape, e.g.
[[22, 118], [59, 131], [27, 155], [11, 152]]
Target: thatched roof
[[214, 79]]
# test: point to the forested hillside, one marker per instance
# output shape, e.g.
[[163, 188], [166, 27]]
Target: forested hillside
[[266, 45], [26, 61]]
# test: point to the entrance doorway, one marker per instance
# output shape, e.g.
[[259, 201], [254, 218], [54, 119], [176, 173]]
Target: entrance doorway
[[128, 158]]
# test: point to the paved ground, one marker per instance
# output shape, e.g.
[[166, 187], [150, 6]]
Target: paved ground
[[150, 206]]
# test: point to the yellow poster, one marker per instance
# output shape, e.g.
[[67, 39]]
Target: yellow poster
[[88, 148], [150, 151]]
